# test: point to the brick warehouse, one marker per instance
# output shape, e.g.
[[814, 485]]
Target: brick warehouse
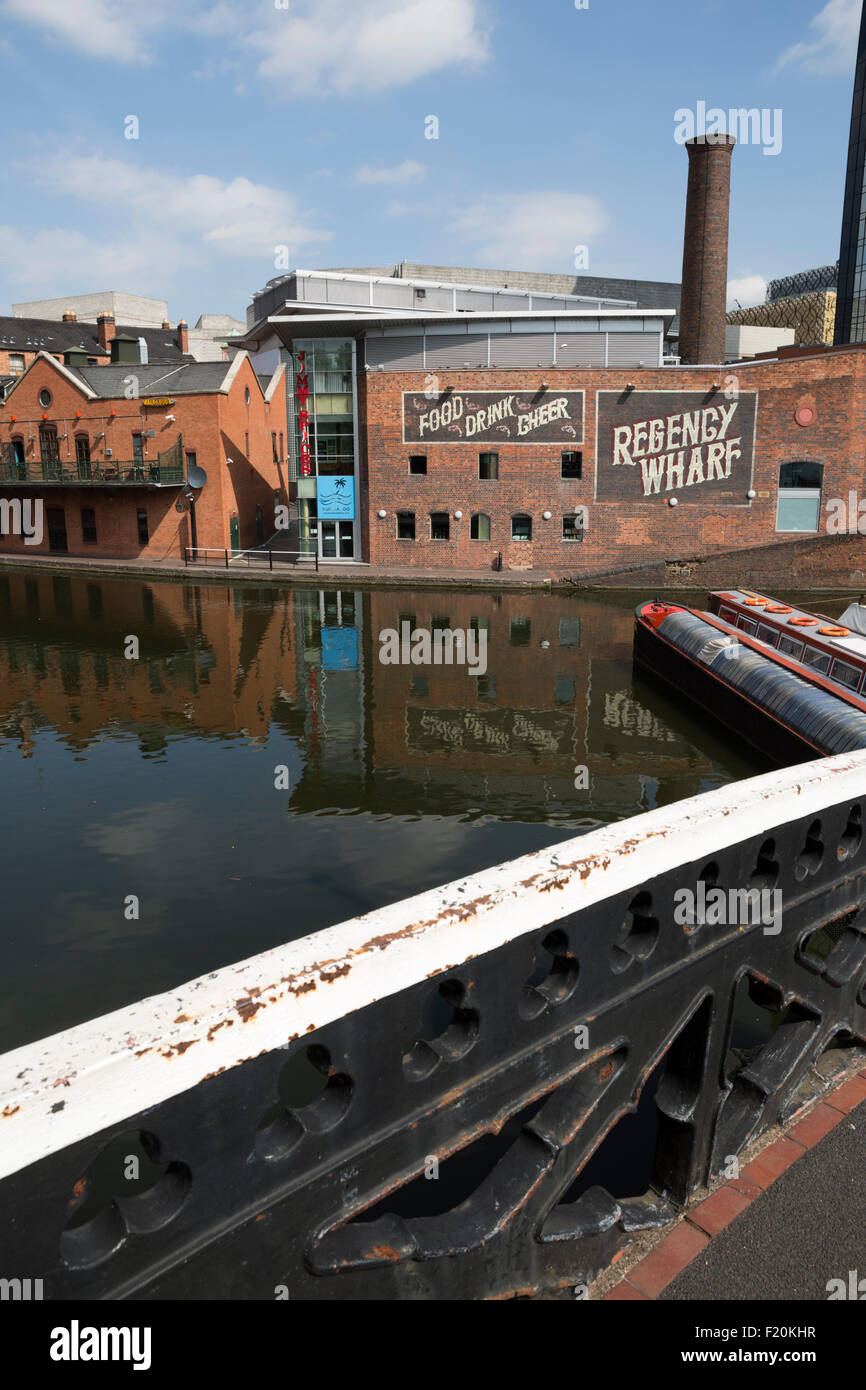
[[486, 426], [108, 451]]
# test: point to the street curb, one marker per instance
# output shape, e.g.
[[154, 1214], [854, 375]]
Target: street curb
[[649, 1276]]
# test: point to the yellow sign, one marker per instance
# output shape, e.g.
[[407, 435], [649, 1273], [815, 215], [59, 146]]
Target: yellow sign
[[157, 400]]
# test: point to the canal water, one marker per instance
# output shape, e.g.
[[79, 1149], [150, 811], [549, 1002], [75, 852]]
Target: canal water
[[256, 772]]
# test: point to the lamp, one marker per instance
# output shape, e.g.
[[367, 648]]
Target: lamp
[[672, 502], [547, 515], [751, 493], [457, 516], [382, 514]]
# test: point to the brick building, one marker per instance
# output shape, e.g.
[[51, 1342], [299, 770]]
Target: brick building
[[114, 453], [92, 344]]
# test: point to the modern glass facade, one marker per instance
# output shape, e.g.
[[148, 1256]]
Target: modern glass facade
[[851, 301], [327, 524]]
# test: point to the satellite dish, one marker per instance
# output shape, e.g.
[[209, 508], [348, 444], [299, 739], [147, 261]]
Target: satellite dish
[[196, 477]]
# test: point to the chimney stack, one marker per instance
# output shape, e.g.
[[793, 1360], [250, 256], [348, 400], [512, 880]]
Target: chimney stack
[[183, 335], [69, 316], [705, 250], [105, 330], [166, 324]]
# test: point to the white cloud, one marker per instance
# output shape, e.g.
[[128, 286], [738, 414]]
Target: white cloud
[[410, 171], [121, 31], [834, 49], [235, 217], [152, 224], [538, 230], [368, 45], [747, 291]]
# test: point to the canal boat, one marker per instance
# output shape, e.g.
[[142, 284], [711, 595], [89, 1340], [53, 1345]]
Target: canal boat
[[789, 682]]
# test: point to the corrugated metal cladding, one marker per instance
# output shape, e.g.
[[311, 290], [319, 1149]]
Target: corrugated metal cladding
[[396, 354], [435, 300], [339, 292], [472, 299], [521, 350], [394, 296], [580, 349], [454, 350], [632, 349]]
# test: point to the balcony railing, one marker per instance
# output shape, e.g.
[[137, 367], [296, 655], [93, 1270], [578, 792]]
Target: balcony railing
[[111, 471]]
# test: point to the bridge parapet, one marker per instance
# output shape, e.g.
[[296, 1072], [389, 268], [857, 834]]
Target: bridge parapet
[[401, 1106]]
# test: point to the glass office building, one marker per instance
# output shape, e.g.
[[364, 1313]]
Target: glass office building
[[327, 520], [851, 301]]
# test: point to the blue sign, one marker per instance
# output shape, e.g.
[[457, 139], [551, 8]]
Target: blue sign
[[340, 648], [336, 498]]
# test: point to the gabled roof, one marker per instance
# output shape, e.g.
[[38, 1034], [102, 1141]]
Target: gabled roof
[[189, 378], [33, 335]]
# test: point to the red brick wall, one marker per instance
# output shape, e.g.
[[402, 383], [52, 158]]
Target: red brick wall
[[622, 532], [213, 426]]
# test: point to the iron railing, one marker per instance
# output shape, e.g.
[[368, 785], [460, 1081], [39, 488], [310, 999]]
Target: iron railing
[[264, 555], [402, 1106], [165, 470]]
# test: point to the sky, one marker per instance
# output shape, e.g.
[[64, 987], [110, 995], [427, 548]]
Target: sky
[[192, 149]]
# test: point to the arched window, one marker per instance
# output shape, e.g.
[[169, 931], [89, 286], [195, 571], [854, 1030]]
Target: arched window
[[479, 527], [521, 527], [798, 504]]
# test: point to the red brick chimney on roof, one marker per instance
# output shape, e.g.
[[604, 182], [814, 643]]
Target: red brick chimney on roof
[[105, 329], [183, 335], [69, 316], [705, 249]]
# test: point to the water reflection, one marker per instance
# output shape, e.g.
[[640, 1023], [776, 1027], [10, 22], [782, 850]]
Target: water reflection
[[157, 778]]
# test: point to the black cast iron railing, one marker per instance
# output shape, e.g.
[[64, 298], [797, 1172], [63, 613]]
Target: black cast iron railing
[[166, 469], [402, 1106]]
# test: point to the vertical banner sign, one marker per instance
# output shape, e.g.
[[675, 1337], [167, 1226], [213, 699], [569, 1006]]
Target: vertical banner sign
[[303, 392]]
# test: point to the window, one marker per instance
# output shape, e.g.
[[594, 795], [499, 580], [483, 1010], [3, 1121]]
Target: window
[[191, 461], [16, 363], [417, 464], [572, 463], [45, 398], [143, 534], [440, 526], [246, 395], [729, 614], [767, 634], [569, 632], [138, 449], [798, 503], [82, 448], [521, 528], [488, 466], [819, 661], [281, 446], [88, 525], [405, 526], [520, 633], [246, 443], [49, 449], [479, 527], [745, 626], [845, 674], [790, 647], [274, 446], [572, 528], [479, 625], [564, 690], [486, 687], [420, 685]]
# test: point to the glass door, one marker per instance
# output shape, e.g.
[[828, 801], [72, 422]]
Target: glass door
[[337, 540]]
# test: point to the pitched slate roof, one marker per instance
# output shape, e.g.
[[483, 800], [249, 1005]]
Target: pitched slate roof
[[155, 379], [47, 335]]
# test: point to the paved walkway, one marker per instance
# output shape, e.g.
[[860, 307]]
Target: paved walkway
[[794, 1220]]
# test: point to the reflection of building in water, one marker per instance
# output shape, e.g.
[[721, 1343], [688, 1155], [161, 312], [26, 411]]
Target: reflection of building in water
[[217, 661]]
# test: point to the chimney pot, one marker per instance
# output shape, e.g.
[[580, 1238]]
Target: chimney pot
[[705, 249], [106, 329], [69, 316]]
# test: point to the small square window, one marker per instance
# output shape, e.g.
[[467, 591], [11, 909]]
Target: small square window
[[88, 525], [486, 687], [521, 632], [569, 632], [488, 466], [420, 685], [572, 528], [521, 528], [405, 526], [440, 526], [418, 464], [572, 463]]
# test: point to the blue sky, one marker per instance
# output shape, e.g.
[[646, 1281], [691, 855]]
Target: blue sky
[[301, 123]]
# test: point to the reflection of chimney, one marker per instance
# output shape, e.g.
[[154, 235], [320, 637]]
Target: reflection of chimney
[[705, 249], [69, 316], [182, 335], [105, 329]]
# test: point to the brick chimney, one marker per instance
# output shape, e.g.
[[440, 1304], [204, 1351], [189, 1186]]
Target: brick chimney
[[166, 324], [105, 329], [183, 335], [69, 316], [705, 249]]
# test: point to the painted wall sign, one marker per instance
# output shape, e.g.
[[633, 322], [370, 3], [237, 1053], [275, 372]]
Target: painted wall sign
[[157, 400], [336, 498], [302, 390], [694, 445], [525, 416]]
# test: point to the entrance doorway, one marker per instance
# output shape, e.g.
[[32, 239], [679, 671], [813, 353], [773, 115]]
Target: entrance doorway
[[337, 540], [56, 521], [234, 533]]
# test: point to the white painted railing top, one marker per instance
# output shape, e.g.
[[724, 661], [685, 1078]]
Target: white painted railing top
[[109, 1069]]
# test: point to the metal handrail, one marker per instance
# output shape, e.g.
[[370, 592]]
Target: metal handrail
[[191, 554], [112, 471]]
